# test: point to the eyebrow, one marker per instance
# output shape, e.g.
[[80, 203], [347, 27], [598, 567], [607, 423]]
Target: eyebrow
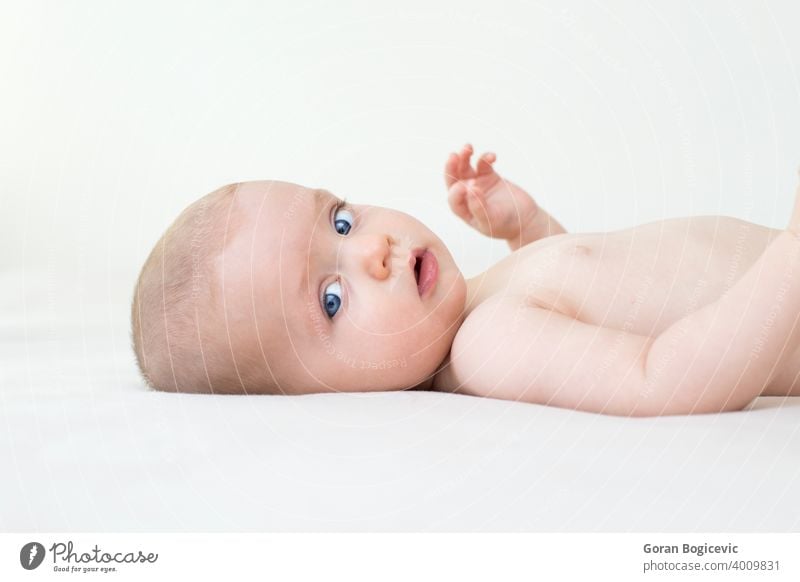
[[321, 197]]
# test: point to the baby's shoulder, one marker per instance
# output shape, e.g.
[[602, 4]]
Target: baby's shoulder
[[502, 328], [498, 315]]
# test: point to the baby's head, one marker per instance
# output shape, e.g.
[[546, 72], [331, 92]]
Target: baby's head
[[271, 287]]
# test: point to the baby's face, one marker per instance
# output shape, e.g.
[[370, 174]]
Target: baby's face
[[337, 298]]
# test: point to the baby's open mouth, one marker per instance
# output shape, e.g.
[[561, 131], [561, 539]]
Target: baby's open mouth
[[417, 266], [426, 270]]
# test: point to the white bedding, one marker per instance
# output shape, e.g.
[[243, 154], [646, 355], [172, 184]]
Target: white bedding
[[86, 447]]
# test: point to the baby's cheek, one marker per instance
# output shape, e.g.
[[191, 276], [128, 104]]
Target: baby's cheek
[[391, 320], [376, 368], [386, 347], [382, 335], [381, 362]]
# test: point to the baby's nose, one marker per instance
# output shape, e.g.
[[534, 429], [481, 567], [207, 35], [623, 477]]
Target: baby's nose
[[373, 252]]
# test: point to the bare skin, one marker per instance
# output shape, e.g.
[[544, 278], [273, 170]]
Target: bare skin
[[672, 317], [680, 316]]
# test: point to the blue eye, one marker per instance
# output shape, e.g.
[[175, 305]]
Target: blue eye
[[332, 299], [342, 221]]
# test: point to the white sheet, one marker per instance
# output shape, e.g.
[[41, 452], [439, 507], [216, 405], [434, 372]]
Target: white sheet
[[87, 448]]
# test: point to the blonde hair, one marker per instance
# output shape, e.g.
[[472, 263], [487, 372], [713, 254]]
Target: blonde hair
[[176, 302]]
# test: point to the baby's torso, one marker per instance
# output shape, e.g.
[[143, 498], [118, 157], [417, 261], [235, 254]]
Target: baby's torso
[[639, 280]]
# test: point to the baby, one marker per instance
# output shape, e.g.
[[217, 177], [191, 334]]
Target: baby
[[271, 287]]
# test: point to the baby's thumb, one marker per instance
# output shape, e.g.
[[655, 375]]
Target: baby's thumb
[[457, 198]]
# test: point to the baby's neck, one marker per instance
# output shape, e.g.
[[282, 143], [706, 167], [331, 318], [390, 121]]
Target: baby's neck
[[474, 297], [443, 380]]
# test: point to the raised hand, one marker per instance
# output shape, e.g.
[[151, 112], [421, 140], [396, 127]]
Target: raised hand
[[488, 203]]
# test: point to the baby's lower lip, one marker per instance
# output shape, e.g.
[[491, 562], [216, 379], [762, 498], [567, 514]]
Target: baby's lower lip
[[428, 273]]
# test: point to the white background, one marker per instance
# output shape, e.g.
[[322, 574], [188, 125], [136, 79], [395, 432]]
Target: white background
[[115, 116]]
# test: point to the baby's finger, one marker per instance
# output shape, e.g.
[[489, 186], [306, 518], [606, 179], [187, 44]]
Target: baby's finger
[[451, 170], [457, 199], [464, 162], [485, 163]]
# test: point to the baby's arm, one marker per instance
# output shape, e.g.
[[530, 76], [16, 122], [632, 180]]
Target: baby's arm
[[510, 350], [541, 225], [715, 359], [493, 206]]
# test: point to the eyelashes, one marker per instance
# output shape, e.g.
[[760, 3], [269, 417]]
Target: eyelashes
[[343, 219]]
